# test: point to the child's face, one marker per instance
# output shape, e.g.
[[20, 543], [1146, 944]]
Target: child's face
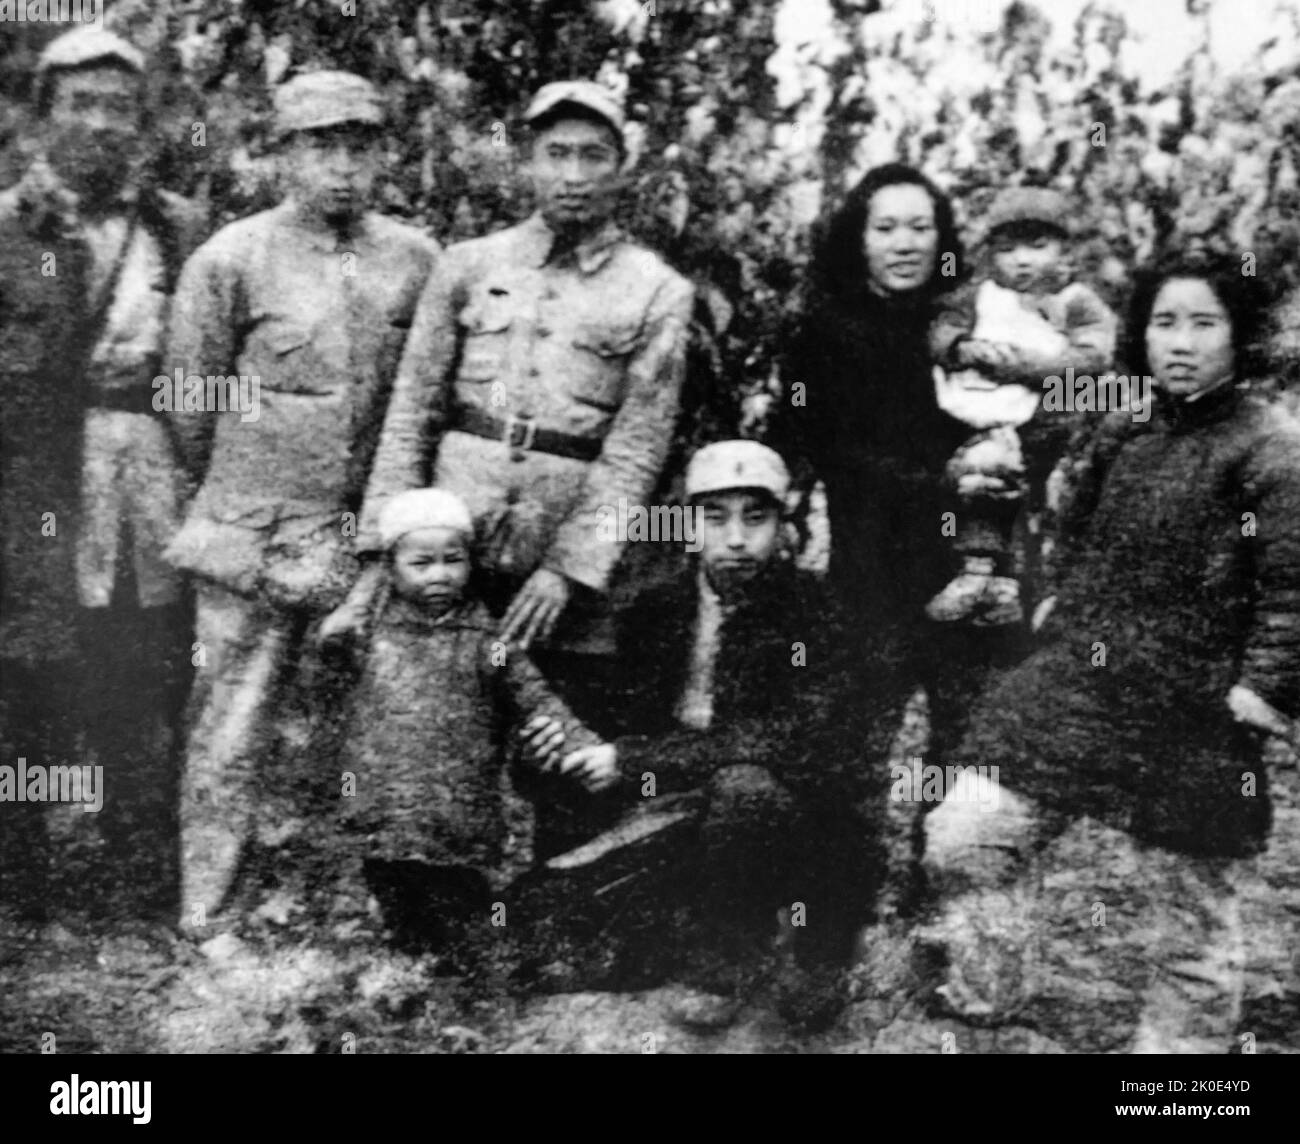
[[431, 567], [1026, 260], [738, 535]]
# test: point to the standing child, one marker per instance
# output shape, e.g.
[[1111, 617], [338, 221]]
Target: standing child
[[994, 347], [425, 734]]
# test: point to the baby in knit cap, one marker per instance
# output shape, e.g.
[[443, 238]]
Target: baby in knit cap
[[426, 736], [994, 345]]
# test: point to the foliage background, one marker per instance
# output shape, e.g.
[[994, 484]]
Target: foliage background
[[1178, 119]]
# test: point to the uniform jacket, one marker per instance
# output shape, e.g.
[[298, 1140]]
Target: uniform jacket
[[426, 734], [320, 321], [79, 438], [591, 345], [788, 695], [1181, 558]]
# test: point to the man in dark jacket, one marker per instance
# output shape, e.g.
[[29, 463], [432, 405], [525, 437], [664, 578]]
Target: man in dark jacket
[[91, 620], [739, 689]]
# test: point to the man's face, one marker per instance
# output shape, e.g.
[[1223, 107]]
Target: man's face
[[738, 536], [575, 173], [1025, 260], [332, 170], [92, 129], [1189, 338], [431, 567]]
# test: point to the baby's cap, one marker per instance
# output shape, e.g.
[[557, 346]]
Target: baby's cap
[[414, 509], [1041, 205]]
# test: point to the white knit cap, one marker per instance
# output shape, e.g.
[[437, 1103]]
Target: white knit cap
[[737, 465], [414, 509]]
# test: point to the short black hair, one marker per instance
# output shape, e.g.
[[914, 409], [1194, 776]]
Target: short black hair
[[567, 110], [1244, 296]]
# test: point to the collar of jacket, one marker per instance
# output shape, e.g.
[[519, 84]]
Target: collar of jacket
[[327, 240], [47, 202], [590, 254], [1203, 408]]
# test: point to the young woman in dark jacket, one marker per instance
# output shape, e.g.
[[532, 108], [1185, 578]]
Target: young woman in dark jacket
[[1173, 648]]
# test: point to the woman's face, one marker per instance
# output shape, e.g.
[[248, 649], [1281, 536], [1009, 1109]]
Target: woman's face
[[1189, 337], [901, 241]]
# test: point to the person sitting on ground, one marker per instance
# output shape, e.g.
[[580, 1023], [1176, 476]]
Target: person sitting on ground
[[738, 689], [424, 748], [994, 344]]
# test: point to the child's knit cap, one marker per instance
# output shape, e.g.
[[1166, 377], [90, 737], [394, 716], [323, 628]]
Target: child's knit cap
[[1040, 205], [414, 509]]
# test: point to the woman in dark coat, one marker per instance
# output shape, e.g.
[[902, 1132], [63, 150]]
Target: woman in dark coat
[[1174, 644], [862, 416]]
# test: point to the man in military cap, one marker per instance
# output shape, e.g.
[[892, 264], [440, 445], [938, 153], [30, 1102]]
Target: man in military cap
[[737, 685], [313, 298], [91, 623], [541, 382]]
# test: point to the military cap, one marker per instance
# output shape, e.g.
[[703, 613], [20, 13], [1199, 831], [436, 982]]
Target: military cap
[[325, 99], [598, 100], [738, 464], [88, 45], [1029, 205], [415, 509]]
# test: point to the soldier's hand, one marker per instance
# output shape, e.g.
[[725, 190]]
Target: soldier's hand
[[595, 767], [542, 739], [536, 608]]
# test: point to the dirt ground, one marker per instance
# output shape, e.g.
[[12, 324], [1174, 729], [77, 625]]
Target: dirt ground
[[99, 982]]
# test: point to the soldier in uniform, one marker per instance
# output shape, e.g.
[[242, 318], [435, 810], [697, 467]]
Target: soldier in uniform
[[314, 298], [541, 384], [91, 617]]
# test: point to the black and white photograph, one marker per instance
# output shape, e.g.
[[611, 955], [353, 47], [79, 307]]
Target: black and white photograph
[[695, 527]]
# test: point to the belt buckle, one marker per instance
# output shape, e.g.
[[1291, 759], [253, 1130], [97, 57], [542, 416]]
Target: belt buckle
[[526, 436]]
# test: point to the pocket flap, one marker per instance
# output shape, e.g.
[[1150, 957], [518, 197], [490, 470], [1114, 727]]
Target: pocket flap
[[606, 339]]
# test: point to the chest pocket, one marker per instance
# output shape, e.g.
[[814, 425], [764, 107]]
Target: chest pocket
[[485, 329], [287, 368], [604, 349]]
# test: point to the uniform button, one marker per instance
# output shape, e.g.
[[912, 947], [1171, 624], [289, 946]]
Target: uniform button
[[533, 371], [516, 455], [512, 495], [543, 331]]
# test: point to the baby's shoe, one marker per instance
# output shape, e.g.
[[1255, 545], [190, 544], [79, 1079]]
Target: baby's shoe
[[1000, 603]]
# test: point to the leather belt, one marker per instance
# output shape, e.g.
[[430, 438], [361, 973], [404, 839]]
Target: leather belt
[[524, 433], [128, 400]]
